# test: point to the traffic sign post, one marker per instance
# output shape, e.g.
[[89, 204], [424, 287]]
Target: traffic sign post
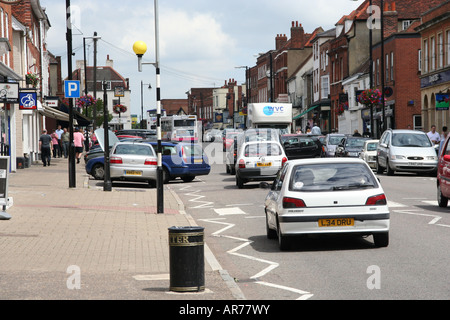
[[72, 89]]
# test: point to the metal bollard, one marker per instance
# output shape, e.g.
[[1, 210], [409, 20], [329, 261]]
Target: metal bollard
[[187, 263]]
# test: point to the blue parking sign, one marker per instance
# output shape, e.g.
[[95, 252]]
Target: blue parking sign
[[72, 89]]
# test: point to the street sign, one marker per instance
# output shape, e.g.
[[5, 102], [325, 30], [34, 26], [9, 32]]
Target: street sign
[[27, 100], [72, 89]]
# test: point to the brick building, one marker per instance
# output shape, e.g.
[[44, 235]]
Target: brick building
[[434, 65]]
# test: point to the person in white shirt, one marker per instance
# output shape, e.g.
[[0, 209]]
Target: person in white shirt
[[434, 136], [316, 130]]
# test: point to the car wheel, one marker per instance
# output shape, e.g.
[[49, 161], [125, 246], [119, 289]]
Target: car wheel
[[98, 172], [381, 239], [389, 171], [283, 241], [442, 201], [188, 179], [239, 182], [166, 176], [271, 234], [379, 168]]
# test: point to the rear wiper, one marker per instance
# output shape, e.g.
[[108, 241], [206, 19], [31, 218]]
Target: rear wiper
[[353, 186]]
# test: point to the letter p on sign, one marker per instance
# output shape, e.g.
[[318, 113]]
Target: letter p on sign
[[72, 89]]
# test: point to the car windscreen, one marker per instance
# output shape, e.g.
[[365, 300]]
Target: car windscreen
[[331, 177], [410, 140], [134, 149], [335, 140], [193, 150], [372, 146], [262, 150], [355, 143]]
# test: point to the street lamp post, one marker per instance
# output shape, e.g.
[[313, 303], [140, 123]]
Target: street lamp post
[[142, 102], [139, 49]]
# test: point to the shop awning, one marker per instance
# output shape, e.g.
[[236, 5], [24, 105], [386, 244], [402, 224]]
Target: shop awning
[[305, 112], [55, 114]]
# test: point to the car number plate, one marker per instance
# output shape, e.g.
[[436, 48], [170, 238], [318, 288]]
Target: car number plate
[[133, 173], [267, 164], [415, 164], [198, 160], [341, 222]]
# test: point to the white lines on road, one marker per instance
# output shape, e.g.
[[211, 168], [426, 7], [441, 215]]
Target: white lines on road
[[229, 211], [304, 295], [435, 218]]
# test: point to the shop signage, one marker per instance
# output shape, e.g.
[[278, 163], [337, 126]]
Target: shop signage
[[28, 101], [9, 92], [435, 79], [442, 101]]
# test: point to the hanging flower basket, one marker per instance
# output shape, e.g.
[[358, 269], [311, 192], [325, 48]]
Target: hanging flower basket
[[32, 79], [341, 108], [370, 97], [118, 109], [86, 101]]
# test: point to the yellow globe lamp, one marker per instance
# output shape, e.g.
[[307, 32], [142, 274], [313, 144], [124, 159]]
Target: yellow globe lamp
[[140, 48]]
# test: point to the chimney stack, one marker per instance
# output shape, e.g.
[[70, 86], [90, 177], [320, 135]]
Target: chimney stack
[[297, 36]]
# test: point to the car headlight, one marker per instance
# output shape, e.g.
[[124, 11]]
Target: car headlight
[[397, 157], [432, 158]]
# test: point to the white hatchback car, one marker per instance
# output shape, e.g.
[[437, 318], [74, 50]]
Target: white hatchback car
[[369, 153], [327, 196], [258, 161]]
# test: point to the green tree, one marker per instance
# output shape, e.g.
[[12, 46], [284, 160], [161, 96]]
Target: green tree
[[99, 109]]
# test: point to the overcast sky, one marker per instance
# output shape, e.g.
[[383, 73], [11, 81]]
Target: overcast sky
[[201, 41]]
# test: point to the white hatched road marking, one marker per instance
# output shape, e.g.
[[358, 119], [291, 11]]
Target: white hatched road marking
[[304, 295]]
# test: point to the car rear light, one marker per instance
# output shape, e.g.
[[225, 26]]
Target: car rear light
[[150, 162], [115, 160], [378, 200], [183, 155], [289, 203], [241, 164], [284, 161]]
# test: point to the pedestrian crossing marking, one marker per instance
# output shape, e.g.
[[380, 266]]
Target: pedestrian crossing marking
[[229, 211]]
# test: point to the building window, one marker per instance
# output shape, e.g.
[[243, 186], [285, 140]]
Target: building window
[[387, 67], [406, 24], [417, 122], [433, 53], [440, 51], [448, 47], [325, 86], [378, 71], [392, 65], [419, 53], [425, 56]]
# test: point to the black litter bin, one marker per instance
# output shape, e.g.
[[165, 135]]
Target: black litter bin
[[187, 263]]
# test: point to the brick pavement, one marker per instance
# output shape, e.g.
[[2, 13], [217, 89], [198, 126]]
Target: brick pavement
[[113, 237]]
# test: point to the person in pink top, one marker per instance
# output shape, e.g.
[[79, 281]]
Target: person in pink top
[[78, 139]]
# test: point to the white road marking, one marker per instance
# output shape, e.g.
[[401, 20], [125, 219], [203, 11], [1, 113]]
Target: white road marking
[[229, 211]]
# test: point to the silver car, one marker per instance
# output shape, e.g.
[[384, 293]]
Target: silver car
[[133, 161], [332, 140], [406, 150]]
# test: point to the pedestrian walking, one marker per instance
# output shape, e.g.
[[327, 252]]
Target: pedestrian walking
[[434, 136], [65, 141], [316, 130], [55, 143], [45, 142], [59, 132], [78, 139]]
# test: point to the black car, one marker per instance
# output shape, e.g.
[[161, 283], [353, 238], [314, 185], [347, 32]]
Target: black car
[[144, 133], [350, 147], [300, 146]]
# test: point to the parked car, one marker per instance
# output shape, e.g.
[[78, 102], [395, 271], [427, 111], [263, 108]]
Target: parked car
[[443, 175], [300, 146], [369, 152], [212, 135], [350, 147], [406, 150], [184, 160], [331, 142], [326, 196], [228, 138], [144, 133], [258, 161]]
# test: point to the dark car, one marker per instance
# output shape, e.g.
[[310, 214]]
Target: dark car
[[144, 133], [301, 146], [350, 147]]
